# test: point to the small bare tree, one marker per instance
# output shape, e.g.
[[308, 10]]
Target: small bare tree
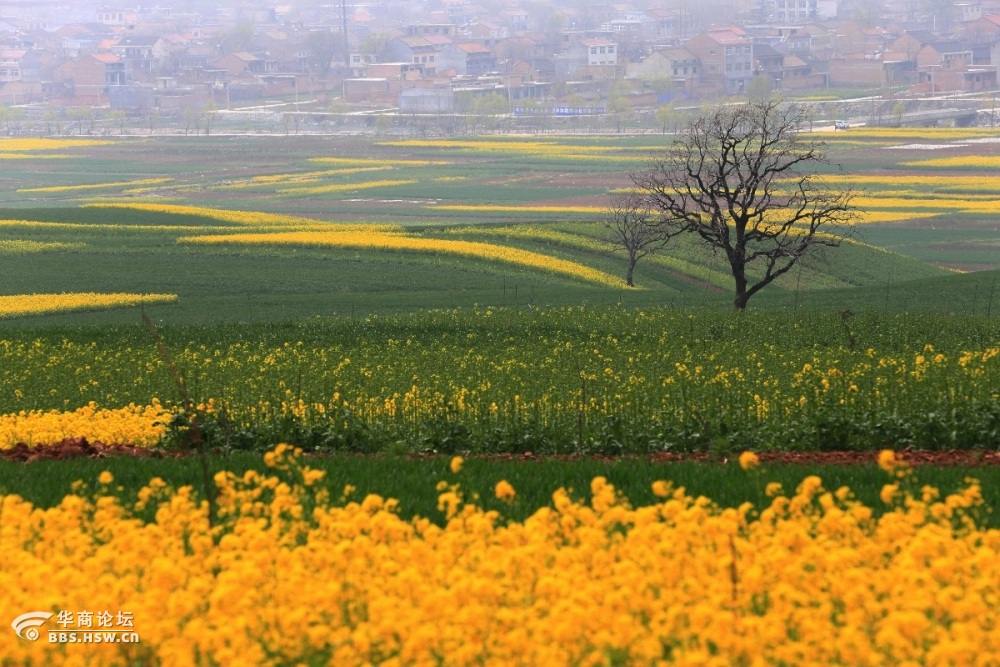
[[743, 178], [632, 226]]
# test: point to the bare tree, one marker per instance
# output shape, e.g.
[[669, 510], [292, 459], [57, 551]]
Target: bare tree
[[632, 225], [743, 178]]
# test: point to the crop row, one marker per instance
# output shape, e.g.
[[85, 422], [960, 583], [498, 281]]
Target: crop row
[[561, 380]]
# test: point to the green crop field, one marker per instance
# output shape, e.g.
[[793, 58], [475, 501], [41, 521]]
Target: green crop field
[[217, 239], [412, 480], [462, 245], [146, 215]]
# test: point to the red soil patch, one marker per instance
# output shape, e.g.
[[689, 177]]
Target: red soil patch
[[950, 457], [73, 448]]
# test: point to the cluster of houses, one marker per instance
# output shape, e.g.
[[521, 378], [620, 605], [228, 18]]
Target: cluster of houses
[[432, 55]]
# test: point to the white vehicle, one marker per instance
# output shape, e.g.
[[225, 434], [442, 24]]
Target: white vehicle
[[841, 125]]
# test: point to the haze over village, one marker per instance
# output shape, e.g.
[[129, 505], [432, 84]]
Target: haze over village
[[453, 56]]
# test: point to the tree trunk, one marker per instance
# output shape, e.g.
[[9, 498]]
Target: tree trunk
[[628, 274], [740, 278]]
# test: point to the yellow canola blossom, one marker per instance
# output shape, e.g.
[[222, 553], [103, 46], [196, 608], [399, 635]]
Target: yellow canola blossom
[[957, 162], [142, 425], [869, 217], [299, 177], [225, 215], [34, 156], [531, 233], [914, 133], [39, 304], [248, 218], [511, 146], [286, 575], [97, 186], [344, 187], [378, 162], [392, 241], [928, 184], [39, 224], [927, 205], [26, 145], [474, 208], [534, 149]]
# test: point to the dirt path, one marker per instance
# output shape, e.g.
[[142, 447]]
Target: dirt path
[[72, 448]]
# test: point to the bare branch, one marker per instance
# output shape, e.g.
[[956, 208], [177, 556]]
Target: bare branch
[[743, 178], [634, 224]]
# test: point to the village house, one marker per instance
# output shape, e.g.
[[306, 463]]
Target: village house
[[89, 77], [466, 58], [726, 58], [417, 49], [241, 63], [78, 52], [588, 58], [672, 72]]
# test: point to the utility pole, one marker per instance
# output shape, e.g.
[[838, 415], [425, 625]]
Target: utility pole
[[343, 28]]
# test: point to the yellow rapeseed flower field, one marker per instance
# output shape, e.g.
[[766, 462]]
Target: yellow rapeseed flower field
[[531, 233], [97, 186], [34, 156], [290, 573], [226, 215], [37, 304], [525, 208], [927, 184], [300, 177], [957, 162], [344, 187], [493, 146], [378, 162], [245, 218], [378, 240], [909, 134], [86, 226], [40, 144], [142, 425]]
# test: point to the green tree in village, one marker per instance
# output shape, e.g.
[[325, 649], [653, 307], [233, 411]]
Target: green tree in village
[[898, 109], [668, 117], [82, 116], [760, 86], [11, 117]]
